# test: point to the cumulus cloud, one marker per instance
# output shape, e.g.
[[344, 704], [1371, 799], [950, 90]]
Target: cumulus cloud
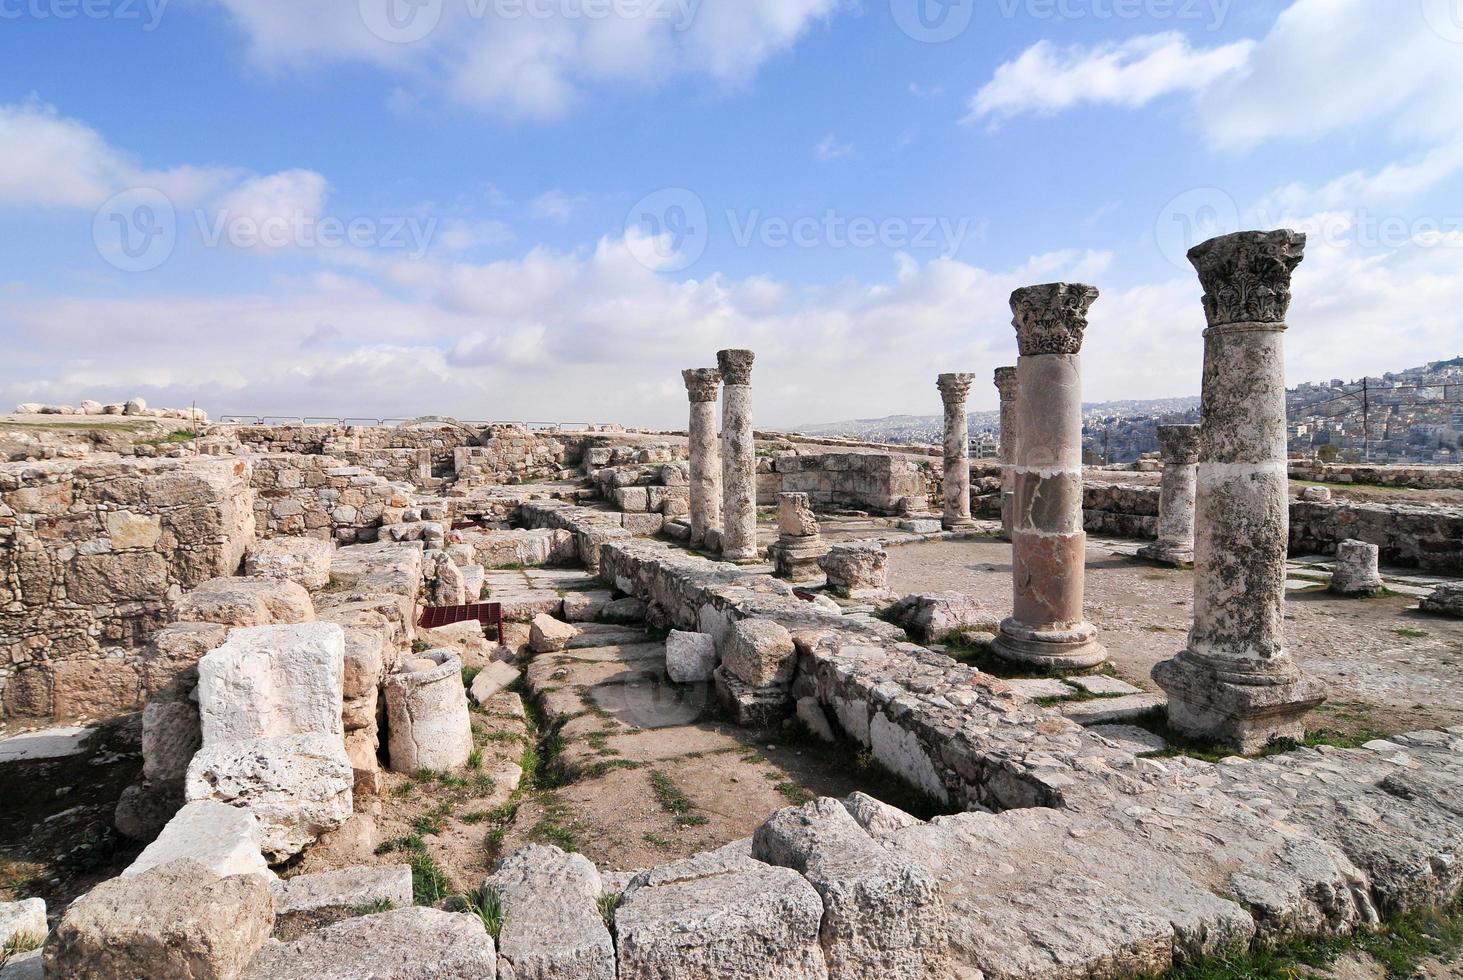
[[535, 59], [1046, 78]]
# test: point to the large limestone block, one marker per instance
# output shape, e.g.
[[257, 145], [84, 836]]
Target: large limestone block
[[245, 602], [403, 944], [365, 661], [170, 661], [552, 925], [304, 561], [690, 658], [493, 679], [428, 726], [760, 652], [23, 920], [171, 734], [882, 916], [723, 915], [930, 616], [298, 786], [859, 569], [271, 681], [550, 635], [178, 920], [223, 838], [343, 890]]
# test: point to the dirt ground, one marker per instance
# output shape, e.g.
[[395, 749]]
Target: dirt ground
[[1390, 668]]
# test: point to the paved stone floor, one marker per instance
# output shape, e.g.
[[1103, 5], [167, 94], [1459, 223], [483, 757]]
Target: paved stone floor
[[1390, 667]]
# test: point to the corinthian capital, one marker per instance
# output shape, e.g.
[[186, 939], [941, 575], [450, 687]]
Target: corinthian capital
[[1051, 319], [736, 366], [1179, 443], [955, 388], [1006, 382], [702, 384], [1246, 276]]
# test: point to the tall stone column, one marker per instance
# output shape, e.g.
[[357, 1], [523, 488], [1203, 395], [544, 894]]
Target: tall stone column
[[738, 457], [702, 386], [1175, 544], [954, 390], [1006, 385], [1235, 683], [1048, 545]]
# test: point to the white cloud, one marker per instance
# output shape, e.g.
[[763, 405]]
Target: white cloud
[[536, 60], [555, 205], [1332, 65], [1045, 78], [1396, 183], [829, 148]]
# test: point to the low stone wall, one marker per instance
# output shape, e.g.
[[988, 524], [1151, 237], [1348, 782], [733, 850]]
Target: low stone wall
[[413, 466], [869, 481], [322, 497], [1415, 477], [1120, 510], [1430, 538], [508, 454], [91, 554]]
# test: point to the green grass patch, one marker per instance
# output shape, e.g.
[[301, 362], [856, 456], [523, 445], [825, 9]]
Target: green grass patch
[[967, 649], [469, 674], [608, 903], [1410, 634], [655, 840], [173, 438], [1179, 744], [372, 908], [428, 881], [487, 904]]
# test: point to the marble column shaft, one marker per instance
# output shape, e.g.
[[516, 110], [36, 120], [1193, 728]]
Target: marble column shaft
[[1177, 490], [1049, 548], [954, 390], [1235, 682], [738, 457], [702, 387], [1006, 385]]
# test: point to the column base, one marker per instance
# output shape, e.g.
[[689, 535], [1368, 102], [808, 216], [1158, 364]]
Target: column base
[[1069, 649], [1179, 556], [796, 558], [1246, 717], [958, 524]]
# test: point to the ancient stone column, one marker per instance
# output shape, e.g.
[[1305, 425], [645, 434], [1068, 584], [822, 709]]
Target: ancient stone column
[[1006, 385], [955, 389], [1048, 545], [1235, 683], [738, 457], [1175, 544], [1356, 572], [799, 545], [702, 386]]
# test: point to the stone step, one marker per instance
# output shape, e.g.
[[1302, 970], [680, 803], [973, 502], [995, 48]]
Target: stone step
[[1104, 711]]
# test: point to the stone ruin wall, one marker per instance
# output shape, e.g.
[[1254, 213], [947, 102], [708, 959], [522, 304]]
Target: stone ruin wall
[[321, 497], [1414, 477], [92, 554], [865, 480]]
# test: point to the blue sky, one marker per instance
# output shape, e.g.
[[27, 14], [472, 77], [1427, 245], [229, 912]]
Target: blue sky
[[555, 206]]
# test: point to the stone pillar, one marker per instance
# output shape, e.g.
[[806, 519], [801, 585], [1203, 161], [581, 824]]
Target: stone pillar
[[1175, 544], [799, 545], [738, 457], [427, 717], [1235, 683], [702, 387], [1356, 572], [955, 389], [1048, 545], [1006, 385]]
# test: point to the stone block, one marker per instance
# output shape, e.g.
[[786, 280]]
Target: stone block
[[403, 944], [552, 925], [245, 602], [757, 708], [585, 607], [1356, 572], [94, 688], [364, 662], [177, 920], [549, 635], [882, 915], [857, 570], [338, 894], [642, 525], [760, 653], [623, 611], [428, 726], [690, 657], [171, 734], [634, 500], [304, 561], [24, 920], [172, 657], [223, 838], [297, 786], [815, 720], [930, 616], [271, 681], [111, 577], [496, 677], [723, 915]]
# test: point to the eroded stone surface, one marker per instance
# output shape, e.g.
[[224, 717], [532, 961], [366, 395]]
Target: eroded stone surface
[[552, 925], [403, 944]]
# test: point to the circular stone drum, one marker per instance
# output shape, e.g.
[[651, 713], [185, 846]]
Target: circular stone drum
[[428, 726]]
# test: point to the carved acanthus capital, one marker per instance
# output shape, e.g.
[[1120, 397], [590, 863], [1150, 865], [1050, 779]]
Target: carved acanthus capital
[[1006, 382], [736, 366], [702, 384], [1246, 276], [1179, 443], [1051, 319], [955, 388]]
